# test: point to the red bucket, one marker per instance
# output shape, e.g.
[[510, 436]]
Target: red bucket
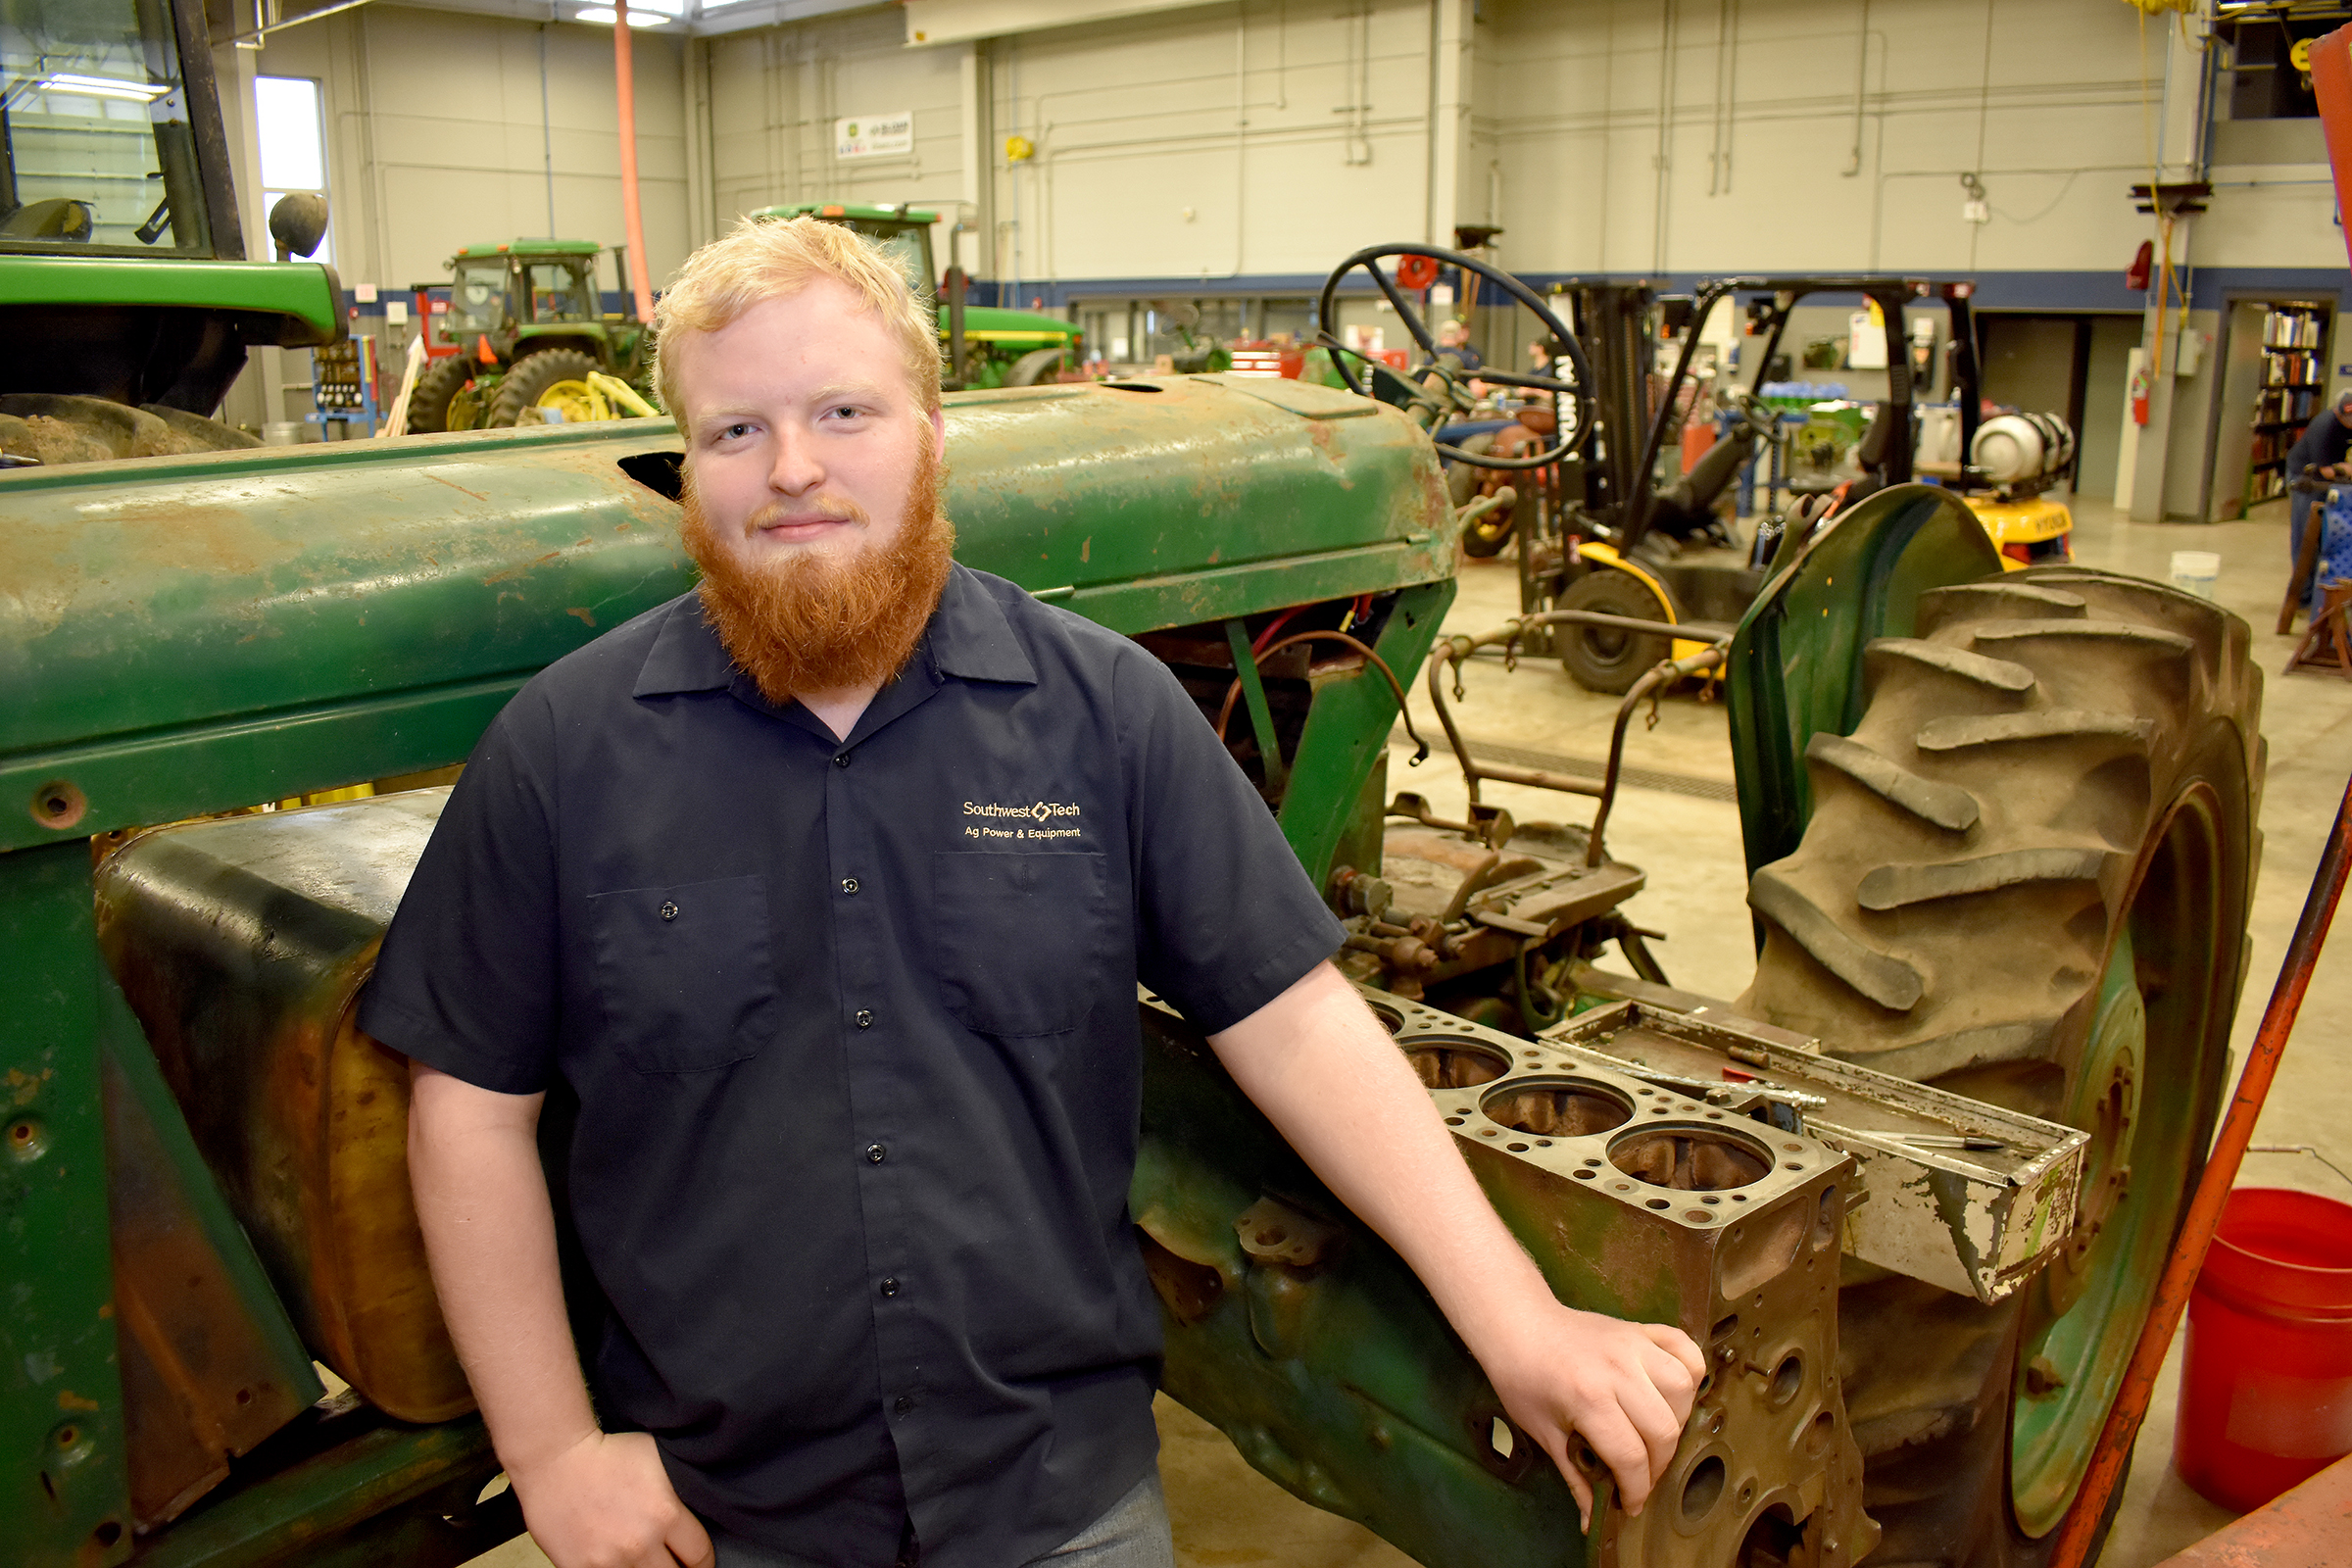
[[2266, 1392]]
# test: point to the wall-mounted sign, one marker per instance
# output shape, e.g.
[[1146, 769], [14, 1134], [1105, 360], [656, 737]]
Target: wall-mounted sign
[[874, 135]]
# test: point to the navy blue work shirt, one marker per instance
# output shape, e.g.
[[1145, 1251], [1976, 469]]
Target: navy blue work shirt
[[2323, 442], [852, 1029]]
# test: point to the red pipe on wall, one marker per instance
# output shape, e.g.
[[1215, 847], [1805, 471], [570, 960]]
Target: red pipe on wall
[[632, 216]]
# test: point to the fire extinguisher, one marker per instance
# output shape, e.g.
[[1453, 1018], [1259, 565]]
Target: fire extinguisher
[[2139, 395]]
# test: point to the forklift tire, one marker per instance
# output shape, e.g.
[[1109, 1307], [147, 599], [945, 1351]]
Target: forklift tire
[[1037, 367], [436, 384], [531, 378], [1602, 658], [2025, 879]]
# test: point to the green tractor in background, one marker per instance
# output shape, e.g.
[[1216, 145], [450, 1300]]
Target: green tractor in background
[[534, 344], [126, 305], [985, 345]]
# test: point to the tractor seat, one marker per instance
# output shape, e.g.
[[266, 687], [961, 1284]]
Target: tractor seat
[[56, 217]]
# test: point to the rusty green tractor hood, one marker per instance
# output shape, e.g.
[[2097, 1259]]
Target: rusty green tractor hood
[[185, 635]]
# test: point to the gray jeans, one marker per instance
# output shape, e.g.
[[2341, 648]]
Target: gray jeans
[[1134, 1534]]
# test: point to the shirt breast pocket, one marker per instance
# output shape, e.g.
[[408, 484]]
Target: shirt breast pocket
[[1022, 938], [684, 973]]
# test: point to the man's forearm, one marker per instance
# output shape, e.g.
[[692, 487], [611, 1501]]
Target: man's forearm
[[490, 1235], [1347, 1100]]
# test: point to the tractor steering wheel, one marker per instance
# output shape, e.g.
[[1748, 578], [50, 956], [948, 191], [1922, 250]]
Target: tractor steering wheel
[[1759, 416], [1574, 431]]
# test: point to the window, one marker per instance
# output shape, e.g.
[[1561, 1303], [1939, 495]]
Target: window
[[95, 146], [560, 293], [292, 131], [641, 13]]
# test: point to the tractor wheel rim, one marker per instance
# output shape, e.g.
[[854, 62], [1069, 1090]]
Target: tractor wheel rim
[[2136, 1093], [570, 399]]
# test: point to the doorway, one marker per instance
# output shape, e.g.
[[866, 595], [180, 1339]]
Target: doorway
[[2074, 364], [2275, 362]]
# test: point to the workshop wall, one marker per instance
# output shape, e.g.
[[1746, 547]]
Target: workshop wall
[[1251, 144], [443, 129], [1233, 140], [774, 97], [1240, 149], [1631, 136]]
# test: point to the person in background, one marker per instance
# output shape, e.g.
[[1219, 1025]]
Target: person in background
[[1454, 338], [2322, 445]]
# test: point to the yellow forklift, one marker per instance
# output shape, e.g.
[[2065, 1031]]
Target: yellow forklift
[[1605, 538]]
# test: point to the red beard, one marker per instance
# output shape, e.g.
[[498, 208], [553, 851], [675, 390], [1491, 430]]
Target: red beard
[[804, 624]]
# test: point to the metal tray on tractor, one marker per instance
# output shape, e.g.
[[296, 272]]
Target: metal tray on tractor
[[1953, 1190]]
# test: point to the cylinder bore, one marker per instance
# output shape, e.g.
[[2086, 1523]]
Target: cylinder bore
[[1702, 1489], [1454, 1061], [1558, 1107], [1691, 1160], [1390, 1018]]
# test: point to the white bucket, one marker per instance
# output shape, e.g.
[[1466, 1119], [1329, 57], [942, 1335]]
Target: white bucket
[[2193, 571]]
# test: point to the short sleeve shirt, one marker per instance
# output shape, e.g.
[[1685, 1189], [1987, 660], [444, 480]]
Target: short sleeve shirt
[[852, 1027]]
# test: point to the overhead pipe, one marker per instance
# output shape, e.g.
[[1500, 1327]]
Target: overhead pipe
[[632, 214]]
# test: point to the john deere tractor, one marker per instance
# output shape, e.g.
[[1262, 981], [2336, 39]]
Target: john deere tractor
[[986, 345], [126, 305], [534, 343]]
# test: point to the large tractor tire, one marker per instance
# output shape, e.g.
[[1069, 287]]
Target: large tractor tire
[[1037, 367], [2025, 879], [536, 376], [1609, 658], [436, 385]]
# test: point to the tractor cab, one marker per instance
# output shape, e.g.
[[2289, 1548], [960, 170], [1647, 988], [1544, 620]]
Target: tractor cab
[[526, 289], [126, 304], [984, 346], [903, 230]]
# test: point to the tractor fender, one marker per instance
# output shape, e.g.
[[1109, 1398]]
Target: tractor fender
[[1796, 664]]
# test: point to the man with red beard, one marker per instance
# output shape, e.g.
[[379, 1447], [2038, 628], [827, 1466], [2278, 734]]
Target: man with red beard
[[816, 900]]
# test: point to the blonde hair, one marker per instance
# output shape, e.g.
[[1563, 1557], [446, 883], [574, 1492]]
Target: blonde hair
[[765, 259]]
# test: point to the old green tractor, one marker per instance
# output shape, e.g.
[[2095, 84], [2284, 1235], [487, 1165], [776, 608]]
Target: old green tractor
[[986, 345], [126, 306], [534, 343], [2000, 826]]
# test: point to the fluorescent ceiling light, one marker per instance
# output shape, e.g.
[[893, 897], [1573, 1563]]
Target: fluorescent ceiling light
[[101, 87], [651, 14]]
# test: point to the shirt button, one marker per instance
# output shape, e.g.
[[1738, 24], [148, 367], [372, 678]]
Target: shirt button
[[876, 1152], [848, 884], [866, 1019], [669, 911], [890, 1286], [840, 759], [901, 1405]]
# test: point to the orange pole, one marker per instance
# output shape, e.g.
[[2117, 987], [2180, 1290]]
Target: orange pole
[[2331, 83], [2213, 1191], [632, 216]]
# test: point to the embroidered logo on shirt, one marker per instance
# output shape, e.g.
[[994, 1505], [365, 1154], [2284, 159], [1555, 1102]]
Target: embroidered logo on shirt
[[1037, 820]]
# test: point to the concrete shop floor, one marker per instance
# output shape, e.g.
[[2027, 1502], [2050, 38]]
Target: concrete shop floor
[[1677, 817]]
